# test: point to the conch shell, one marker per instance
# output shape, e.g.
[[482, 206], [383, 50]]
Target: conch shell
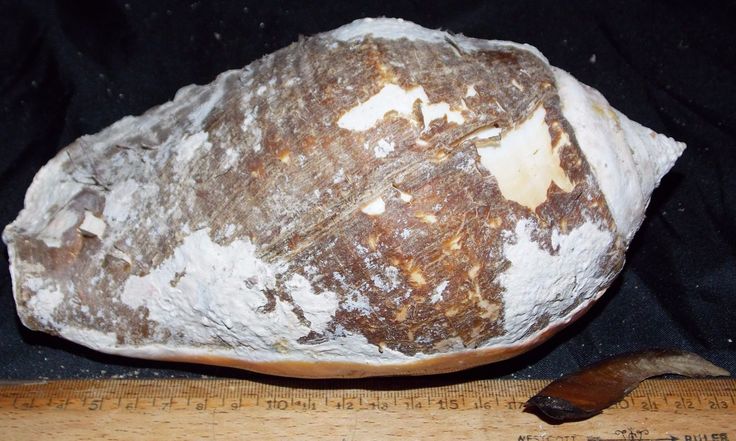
[[381, 199]]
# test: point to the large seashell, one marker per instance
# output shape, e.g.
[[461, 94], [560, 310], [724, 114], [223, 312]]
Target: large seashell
[[380, 199]]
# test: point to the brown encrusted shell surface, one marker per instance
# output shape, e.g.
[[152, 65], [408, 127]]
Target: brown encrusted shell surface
[[251, 223]]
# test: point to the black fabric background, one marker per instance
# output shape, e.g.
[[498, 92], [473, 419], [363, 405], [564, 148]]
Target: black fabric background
[[70, 68]]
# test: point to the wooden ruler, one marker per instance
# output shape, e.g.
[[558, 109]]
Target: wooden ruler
[[177, 409]]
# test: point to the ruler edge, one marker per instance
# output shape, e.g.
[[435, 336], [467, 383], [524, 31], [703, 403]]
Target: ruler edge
[[236, 387]]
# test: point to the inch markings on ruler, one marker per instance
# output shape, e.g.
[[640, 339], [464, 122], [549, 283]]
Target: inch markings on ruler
[[660, 410]]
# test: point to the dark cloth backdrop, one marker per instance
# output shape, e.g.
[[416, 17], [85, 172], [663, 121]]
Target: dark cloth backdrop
[[70, 68]]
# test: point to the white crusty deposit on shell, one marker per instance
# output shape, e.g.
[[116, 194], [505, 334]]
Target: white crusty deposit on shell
[[539, 283], [64, 220], [53, 187], [213, 292], [396, 28], [47, 298], [383, 148], [57, 190], [216, 294], [344, 346], [43, 305], [192, 145]]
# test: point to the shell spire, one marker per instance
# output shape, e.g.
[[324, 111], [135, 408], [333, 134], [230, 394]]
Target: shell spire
[[628, 159]]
